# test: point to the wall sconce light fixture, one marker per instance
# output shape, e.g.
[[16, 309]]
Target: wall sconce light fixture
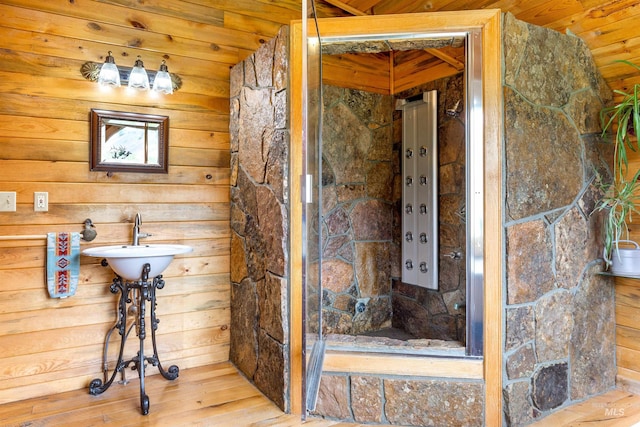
[[138, 78], [108, 74]]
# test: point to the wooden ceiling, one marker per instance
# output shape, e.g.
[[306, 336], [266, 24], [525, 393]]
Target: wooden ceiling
[[611, 28], [367, 65]]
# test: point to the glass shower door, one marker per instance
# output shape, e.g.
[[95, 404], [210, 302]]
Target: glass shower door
[[312, 215]]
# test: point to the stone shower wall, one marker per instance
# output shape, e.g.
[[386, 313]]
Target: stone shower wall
[[362, 207], [401, 401], [359, 255], [422, 312], [560, 345], [259, 218]]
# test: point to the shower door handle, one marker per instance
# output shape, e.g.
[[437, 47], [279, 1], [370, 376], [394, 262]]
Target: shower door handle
[[307, 188]]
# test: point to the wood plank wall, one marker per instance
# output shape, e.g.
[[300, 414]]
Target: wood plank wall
[[627, 327], [628, 309], [52, 345]]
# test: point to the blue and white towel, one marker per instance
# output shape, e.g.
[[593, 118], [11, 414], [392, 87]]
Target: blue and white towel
[[63, 264]]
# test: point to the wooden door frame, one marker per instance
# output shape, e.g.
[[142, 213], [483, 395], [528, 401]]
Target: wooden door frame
[[489, 23]]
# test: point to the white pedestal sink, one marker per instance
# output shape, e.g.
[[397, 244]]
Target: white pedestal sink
[[127, 260]]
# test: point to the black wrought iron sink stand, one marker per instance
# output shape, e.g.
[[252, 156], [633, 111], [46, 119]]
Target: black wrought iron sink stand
[[136, 294]]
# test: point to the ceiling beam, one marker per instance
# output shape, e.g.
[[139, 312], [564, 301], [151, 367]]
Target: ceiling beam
[[349, 9], [446, 58]]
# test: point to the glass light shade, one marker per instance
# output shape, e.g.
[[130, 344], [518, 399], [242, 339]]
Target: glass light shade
[[109, 74], [162, 82], [138, 78]]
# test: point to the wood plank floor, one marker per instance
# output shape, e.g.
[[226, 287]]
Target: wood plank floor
[[617, 408], [215, 395], [218, 395]]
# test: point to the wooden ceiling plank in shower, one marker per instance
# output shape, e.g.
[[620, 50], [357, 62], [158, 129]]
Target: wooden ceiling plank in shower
[[446, 58], [344, 6]]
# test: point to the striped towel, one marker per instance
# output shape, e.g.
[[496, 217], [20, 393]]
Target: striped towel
[[63, 264]]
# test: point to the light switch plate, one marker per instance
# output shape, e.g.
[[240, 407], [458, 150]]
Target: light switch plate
[[7, 201]]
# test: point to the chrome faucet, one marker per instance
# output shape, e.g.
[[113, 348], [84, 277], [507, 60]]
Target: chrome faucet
[[137, 235]]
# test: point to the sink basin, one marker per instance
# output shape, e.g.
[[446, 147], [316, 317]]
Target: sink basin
[[127, 260]]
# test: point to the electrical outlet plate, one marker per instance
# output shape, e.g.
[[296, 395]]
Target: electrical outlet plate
[[7, 201], [40, 201]]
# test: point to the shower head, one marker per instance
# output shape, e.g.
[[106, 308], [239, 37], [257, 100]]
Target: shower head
[[455, 111]]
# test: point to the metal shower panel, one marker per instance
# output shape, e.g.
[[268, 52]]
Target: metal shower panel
[[420, 191]]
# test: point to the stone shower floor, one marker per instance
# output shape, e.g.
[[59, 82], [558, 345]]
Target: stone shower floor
[[394, 340], [393, 333]]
